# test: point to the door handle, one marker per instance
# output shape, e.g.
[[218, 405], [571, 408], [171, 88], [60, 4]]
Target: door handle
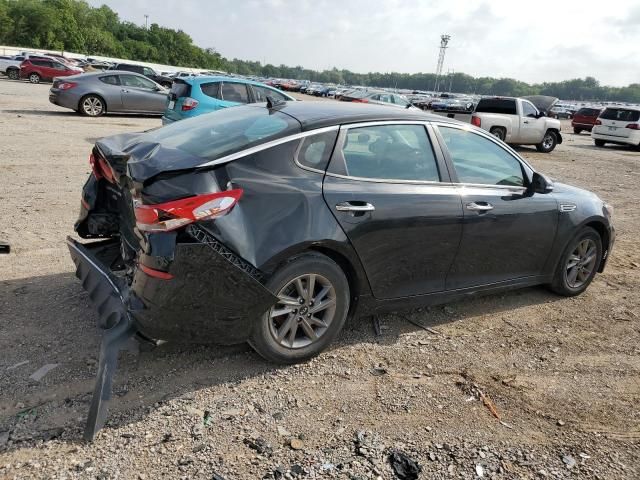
[[355, 207], [525, 121], [479, 207], [125, 91]]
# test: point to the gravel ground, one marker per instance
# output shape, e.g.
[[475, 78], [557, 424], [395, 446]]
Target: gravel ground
[[520, 385]]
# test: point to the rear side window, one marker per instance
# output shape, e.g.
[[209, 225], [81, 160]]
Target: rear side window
[[41, 63], [235, 92], [315, 151], [262, 92], [211, 89], [394, 152], [225, 131], [621, 114], [110, 79], [478, 160], [503, 106]]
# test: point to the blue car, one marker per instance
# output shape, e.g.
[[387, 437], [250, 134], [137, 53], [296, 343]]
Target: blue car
[[193, 96]]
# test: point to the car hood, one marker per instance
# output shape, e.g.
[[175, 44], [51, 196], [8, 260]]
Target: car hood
[[542, 102]]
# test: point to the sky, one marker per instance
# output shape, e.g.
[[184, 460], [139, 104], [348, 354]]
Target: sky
[[530, 40]]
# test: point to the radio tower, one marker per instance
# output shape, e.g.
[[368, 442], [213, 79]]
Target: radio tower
[[444, 41]]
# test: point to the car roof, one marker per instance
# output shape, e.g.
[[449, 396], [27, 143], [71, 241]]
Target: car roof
[[220, 78], [312, 115]]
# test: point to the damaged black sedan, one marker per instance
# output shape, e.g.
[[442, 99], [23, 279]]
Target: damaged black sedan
[[275, 224]]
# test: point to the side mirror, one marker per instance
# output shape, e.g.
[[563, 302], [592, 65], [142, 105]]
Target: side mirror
[[541, 183], [542, 114]]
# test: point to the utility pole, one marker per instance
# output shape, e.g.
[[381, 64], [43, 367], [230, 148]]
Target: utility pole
[[146, 22], [444, 42]]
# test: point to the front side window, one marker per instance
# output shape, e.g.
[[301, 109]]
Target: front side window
[[479, 160], [262, 92], [528, 110], [137, 82], [398, 100], [395, 152], [235, 92]]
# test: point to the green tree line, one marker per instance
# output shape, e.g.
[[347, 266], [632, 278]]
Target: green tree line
[[75, 26]]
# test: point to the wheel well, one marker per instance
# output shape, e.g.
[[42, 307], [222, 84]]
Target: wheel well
[[93, 95], [350, 272], [557, 132], [604, 235]]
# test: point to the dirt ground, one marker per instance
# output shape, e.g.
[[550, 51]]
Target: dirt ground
[[563, 374]]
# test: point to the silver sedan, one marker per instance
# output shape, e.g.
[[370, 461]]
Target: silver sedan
[[113, 91]]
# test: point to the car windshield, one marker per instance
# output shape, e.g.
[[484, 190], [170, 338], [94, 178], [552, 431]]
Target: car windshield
[[224, 132]]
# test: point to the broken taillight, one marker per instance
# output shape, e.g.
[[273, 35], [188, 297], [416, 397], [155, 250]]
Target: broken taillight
[[101, 169], [476, 121], [164, 217]]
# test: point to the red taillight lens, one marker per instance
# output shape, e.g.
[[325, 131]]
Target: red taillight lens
[[633, 126], [67, 85], [189, 104], [164, 217], [476, 121], [101, 169], [598, 122]]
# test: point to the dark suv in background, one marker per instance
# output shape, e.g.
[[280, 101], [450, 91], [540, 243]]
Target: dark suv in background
[[146, 71]]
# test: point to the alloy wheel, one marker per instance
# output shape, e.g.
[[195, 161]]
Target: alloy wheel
[[305, 309], [547, 141], [34, 78], [92, 106], [581, 263]]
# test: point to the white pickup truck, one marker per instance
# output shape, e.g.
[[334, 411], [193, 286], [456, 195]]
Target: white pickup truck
[[516, 121], [11, 66]]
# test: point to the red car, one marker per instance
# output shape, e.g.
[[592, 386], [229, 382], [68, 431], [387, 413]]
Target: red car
[[585, 119], [38, 69]]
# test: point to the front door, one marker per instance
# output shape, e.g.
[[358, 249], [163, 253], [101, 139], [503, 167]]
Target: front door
[[508, 231], [139, 94], [386, 187], [532, 128]]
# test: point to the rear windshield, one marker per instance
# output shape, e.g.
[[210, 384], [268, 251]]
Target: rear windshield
[[223, 132], [621, 114], [588, 112], [504, 106], [180, 89]]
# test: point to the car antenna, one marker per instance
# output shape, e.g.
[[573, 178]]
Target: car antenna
[[274, 103]]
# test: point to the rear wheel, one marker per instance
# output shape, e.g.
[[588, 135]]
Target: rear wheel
[[13, 74], [92, 106], [578, 264], [34, 78], [498, 132], [577, 131], [599, 143], [549, 142], [313, 302]]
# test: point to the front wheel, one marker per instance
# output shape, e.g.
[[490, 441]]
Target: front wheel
[[549, 142], [34, 78], [599, 143], [577, 131], [579, 264], [313, 302]]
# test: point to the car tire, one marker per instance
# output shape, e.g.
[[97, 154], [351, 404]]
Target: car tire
[[577, 131], [498, 132], [92, 106], [13, 74], [549, 142], [34, 78], [586, 244], [286, 338], [599, 143]]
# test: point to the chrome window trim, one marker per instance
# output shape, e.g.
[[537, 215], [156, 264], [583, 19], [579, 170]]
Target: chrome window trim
[[305, 167], [267, 145]]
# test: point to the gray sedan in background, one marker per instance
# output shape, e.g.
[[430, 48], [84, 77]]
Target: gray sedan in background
[[113, 91]]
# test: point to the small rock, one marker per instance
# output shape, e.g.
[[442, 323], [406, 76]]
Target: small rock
[[296, 444], [479, 471], [260, 445], [569, 461], [561, 423], [297, 469], [283, 432]]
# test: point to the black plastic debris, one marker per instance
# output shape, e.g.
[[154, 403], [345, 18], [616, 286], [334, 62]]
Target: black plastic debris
[[5, 247], [404, 467], [260, 445]]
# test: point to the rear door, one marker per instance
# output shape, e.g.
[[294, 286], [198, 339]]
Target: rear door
[[140, 94], [389, 189], [615, 122], [508, 232]]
